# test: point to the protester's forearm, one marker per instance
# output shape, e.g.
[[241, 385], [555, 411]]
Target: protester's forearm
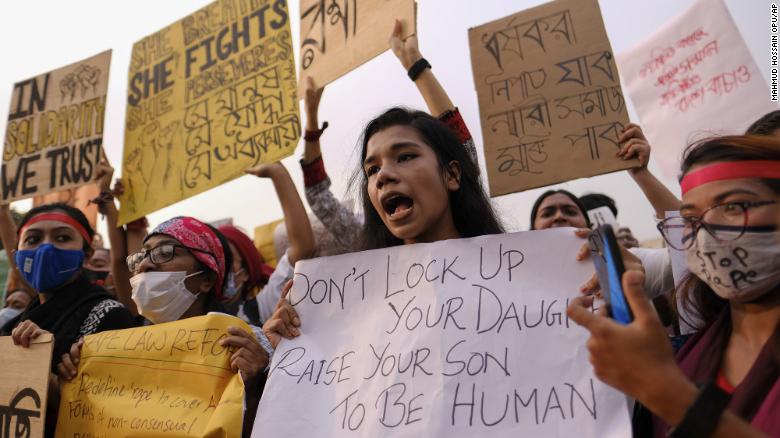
[[311, 149], [436, 99], [656, 192], [8, 234], [135, 239], [672, 399], [119, 270], [296, 220]]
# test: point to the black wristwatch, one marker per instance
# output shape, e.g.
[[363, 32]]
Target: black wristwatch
[[417, 68]]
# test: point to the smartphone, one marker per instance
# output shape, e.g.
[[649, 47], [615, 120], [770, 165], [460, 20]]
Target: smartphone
[[605, 253]]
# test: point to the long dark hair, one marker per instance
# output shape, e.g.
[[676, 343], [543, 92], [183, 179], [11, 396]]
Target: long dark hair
[[697, 297], [766, 125], [471, 209], [576, 200], [73, 212]]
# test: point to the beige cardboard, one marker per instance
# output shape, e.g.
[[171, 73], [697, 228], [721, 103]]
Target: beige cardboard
[[338, 36], [54, 136], [24, 380], [550, 101]]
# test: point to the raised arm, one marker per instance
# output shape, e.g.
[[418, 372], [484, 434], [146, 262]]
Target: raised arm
[[635, 146], [436, 98], [116, 238], [408, 53], [8, 233], [295, 218], [338, 219]]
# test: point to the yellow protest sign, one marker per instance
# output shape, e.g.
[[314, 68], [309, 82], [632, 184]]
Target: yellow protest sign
[[264, 241], [166, 379], [208, 96], [24, 379], [54, 137]]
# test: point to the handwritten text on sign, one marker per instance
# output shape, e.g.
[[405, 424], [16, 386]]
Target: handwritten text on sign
[[208, 96], [338, 36], [457, 338], [172, 378], [24, 382], [54, 136], [549, 95], [694, 76]]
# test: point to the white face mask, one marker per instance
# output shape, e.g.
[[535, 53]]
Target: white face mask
[[743, 269], [231, 289], [8, 314], [162, 296]]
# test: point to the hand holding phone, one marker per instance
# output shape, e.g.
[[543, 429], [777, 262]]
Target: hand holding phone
[[608, 262]]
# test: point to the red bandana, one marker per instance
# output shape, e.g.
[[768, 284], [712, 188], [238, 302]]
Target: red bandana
[[193, 233], [59, 217], [258, 271]]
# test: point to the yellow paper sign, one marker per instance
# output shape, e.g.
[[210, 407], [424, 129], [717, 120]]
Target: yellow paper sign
[[264, 241], [169, 379], [24, 379], [208, 96]]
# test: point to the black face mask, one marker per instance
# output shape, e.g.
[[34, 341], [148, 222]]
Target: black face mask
[[96, 277]]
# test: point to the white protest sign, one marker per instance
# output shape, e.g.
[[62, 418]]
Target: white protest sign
[[693, 78], [458, 338], [602, 216]]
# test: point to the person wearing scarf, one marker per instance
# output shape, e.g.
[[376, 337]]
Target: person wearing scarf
[[247, 277], [724, 381], [181, 272], [54, 240]]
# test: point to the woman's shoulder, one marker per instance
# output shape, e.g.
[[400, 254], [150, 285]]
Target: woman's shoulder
[[107, 314]]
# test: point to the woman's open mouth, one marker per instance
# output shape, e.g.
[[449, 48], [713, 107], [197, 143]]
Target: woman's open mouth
[[397, 206]]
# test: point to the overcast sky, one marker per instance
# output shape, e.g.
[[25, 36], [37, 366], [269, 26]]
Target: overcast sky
[[42, 35]]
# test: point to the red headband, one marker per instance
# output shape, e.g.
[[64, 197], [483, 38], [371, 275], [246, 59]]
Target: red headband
[[730, 170], [59, 217]]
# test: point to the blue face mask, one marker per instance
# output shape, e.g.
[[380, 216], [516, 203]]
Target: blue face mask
[[48, 267]]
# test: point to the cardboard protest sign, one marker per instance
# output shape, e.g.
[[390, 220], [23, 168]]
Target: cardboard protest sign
[[24, 381], [208, 96], [693, 78], [337, 36], [550, 102], [457, 338], [54, 137], [77, 197], [166, 379]]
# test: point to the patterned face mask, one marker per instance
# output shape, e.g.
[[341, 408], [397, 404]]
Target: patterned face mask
[[742, 269]]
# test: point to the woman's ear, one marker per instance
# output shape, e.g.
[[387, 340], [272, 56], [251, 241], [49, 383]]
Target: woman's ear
[[452, 177], [208, 282]]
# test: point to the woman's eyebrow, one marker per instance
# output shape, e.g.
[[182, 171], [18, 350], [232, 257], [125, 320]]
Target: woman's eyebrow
[[720, 198]]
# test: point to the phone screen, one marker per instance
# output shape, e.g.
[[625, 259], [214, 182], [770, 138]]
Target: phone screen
[[619, 308]]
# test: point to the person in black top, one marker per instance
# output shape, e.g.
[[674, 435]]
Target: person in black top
[[54, 240]]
